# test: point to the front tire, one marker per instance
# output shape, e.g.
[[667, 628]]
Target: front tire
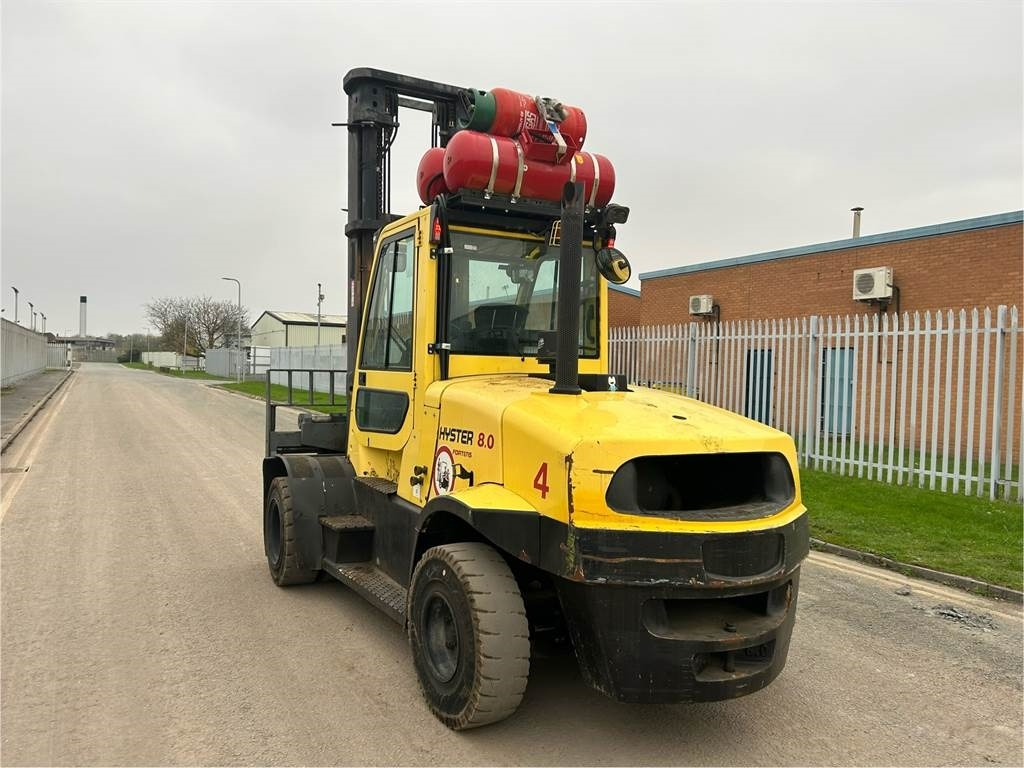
[[279, 538], [469, 635]]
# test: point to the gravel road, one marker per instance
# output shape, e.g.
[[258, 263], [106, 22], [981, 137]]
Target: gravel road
[[140, 627]]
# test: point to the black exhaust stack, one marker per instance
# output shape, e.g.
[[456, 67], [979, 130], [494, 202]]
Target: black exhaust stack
[[567, 366]]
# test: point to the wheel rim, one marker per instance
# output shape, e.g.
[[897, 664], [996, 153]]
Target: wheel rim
[[442, 638], [272, 533]]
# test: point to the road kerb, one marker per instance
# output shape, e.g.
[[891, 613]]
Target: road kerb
[[951, 580], [24, 422]]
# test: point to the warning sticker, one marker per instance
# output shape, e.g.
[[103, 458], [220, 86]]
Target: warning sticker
[[444, 471]]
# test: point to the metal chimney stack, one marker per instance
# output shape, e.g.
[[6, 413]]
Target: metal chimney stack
[[81, 316], [856, 220]]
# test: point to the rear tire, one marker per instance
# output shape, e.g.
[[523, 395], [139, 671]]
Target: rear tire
[[469, 635], [279, 538]]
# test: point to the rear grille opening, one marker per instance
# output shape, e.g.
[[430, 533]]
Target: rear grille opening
[[723, 619], [728, 665], [707, 486]]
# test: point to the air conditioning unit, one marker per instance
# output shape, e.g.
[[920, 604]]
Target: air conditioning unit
[[702, 305], [872, 284]]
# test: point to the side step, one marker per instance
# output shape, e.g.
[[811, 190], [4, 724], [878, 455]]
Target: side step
[[373, 584], [379, 484], [346, 523], [347, 538]]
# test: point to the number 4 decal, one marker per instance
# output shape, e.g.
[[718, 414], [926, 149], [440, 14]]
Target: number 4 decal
[[540, 482]]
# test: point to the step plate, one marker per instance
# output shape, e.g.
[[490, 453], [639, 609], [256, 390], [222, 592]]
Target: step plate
[[379, 484], [346, 523], [370, 582]]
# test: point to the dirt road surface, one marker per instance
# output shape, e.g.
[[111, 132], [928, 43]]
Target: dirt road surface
[[140, 627]]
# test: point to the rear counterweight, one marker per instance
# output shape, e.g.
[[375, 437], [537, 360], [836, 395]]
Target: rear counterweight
[[669, 644]]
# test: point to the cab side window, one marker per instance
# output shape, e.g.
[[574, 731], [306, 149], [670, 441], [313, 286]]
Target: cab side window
[[387, 340]]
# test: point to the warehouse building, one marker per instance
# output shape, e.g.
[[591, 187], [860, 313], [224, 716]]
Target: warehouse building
[[970, 263], [298, 329]]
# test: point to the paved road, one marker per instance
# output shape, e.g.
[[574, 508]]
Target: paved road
[[139, 626]]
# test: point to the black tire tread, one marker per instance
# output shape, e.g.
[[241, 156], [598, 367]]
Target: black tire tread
[[499, 618], [292, 571]]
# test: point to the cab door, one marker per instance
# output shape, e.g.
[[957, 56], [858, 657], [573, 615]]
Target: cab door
[[385, 383]]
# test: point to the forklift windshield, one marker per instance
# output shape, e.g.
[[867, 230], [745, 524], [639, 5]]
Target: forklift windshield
[[504, 293]]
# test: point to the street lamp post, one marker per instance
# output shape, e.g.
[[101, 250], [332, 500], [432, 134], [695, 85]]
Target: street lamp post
[[15, 304], [239, 361], [32, 316], [44, 322], [319, 301]]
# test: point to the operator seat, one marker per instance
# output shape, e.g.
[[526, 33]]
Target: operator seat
[[497, 328]]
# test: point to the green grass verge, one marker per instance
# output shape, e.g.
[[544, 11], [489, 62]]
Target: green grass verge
[[300, 397], [203, 375], [964, 535], [197, 375]]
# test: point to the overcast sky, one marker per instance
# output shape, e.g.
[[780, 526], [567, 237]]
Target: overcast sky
[[150, 148]]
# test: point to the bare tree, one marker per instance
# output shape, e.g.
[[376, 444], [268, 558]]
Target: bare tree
[[211, 323]]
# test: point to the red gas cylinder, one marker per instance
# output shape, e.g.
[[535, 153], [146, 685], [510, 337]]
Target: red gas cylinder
[[516, 112], [430, 175], [475, 160]]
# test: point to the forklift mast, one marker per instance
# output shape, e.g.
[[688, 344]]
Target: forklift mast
[[374, 97]]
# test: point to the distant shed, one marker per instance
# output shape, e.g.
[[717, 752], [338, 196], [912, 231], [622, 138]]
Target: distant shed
[[297, 329]]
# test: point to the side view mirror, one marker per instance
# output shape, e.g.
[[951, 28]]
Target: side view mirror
[[613, 265]]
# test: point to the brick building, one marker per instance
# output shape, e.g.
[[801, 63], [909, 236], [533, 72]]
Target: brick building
[[970, 263], [623, 306]]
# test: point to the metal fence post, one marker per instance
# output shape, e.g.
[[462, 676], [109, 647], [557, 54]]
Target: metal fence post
[[997, 399], [691, 361], [812, 426]]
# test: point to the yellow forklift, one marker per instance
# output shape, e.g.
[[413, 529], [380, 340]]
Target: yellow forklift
[[492, 480]]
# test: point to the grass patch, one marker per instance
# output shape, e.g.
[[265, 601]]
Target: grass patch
[[202, 375], [197, 375], [964, 535], [300, 397]]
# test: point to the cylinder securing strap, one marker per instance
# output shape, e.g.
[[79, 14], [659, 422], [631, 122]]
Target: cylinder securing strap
[[597, 180], [520, 170], [494, 167]]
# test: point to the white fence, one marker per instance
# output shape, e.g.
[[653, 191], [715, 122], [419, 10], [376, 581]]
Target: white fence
[[225, 361], [58, 355], [322, 358], [24, 353], [934, 400], [173, 360], [259, 360]]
